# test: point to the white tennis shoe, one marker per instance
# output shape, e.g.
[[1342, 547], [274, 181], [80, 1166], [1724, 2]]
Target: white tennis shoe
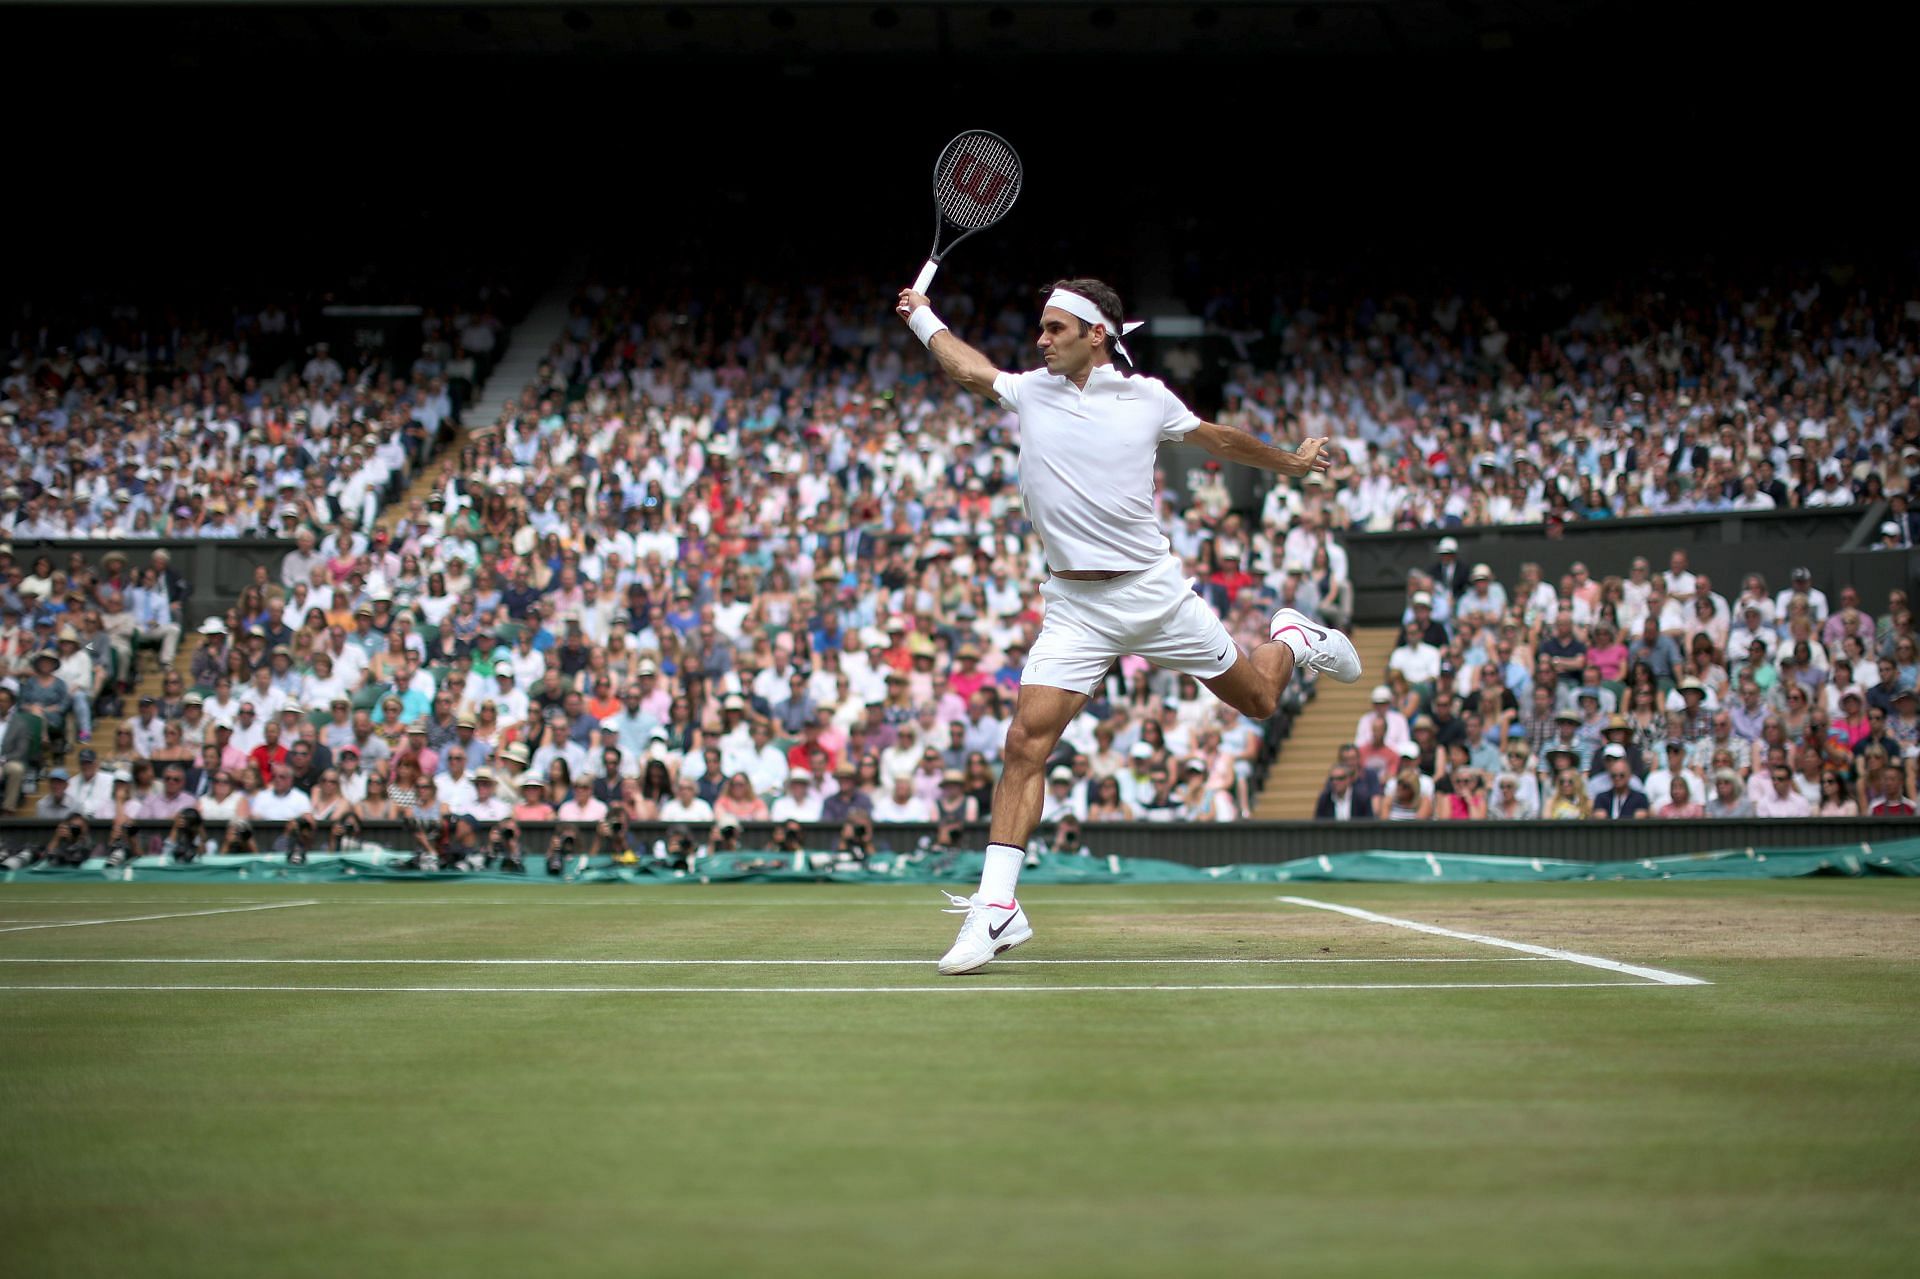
[[1321, 648], [990, 929]]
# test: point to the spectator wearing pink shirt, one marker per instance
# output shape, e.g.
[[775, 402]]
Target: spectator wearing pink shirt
[[967, 677], [1606, 654], [581, 806], [1780, 797]]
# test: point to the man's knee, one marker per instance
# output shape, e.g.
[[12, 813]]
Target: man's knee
[[1253, 698], [1261, 703], [1025, 748]]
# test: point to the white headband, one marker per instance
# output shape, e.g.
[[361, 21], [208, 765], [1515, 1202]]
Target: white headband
[[1083, 308]]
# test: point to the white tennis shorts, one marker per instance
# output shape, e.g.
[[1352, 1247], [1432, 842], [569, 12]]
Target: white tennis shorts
[[1153, 614]]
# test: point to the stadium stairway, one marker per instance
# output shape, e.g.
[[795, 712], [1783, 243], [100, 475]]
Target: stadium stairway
[[1297, 775], [531, 342], [146, 684]]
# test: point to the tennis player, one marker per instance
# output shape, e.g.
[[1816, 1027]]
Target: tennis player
[[1089, 432]]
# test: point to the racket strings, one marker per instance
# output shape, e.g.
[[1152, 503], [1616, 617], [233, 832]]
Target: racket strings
[[979, 179]]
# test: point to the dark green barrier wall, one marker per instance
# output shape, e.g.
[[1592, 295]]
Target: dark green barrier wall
[[1206, 845], [218, 570]]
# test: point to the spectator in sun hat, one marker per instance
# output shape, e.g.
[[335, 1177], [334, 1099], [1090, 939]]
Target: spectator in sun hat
[[1381, 717], [1426, 613], [1601, 730], [44, 693], [1694, 719], [1060, 796], [1483, 599], [533, 805], [802, 801], [1447, 574], [848, 797], [84, 682]]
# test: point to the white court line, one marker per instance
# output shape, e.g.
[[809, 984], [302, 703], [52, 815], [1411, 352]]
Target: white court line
[[1659, 975], [141, 919], [775, 963], [671, 896], [956, 987]]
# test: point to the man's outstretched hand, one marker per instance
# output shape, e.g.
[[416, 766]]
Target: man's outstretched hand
[[1311, 456]]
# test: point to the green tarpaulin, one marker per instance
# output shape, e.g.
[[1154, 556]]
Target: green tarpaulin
[[1897, 857]]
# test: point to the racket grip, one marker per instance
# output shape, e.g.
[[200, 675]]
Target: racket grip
[[925, 277]]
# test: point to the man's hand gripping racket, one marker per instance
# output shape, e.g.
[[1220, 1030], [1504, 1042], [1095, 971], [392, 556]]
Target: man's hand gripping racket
[[975, 182]]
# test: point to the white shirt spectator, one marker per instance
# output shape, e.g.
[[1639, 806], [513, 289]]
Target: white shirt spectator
[[888, 809], [92, 798], [149, 735], [1816, 603], [766, 768], [456, 793], [803, 808], [698, 812], [271, 806], [1420, 663]]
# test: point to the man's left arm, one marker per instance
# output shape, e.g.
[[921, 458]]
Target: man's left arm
[[1232, 445]]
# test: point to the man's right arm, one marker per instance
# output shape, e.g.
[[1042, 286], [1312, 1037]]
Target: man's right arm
[[958, 361]]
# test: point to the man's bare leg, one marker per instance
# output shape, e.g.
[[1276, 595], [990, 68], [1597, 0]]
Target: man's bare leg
[[1254, 683], [1040, 715]]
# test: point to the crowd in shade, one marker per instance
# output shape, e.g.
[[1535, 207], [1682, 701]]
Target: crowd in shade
[[1552, 403], [1653, 693], [132, 423], [741, 557]]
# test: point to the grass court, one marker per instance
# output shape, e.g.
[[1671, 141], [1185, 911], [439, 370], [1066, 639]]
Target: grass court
[[440, 1079]]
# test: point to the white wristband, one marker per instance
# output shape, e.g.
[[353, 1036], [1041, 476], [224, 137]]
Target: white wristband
[[925, 324]]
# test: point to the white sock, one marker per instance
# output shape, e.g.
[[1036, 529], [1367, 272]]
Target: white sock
[[1294, 638], [1001, 872]]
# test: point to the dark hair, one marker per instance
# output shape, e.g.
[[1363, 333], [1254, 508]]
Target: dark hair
[[1102, 295]]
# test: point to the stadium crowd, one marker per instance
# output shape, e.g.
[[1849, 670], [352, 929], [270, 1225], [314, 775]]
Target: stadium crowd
[[1542, 405], [178, 428], [1648, 694], [741, 559]]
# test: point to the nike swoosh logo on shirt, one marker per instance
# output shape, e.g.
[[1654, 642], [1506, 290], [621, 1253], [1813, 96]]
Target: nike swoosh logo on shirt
[[1221, 656]]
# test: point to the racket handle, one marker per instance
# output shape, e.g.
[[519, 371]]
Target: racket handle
[[925, 277]]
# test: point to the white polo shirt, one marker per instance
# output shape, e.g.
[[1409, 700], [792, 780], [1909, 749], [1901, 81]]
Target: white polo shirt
[[271, 806], [1087, 461]]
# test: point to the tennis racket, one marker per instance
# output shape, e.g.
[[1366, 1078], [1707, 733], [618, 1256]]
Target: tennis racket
[[975, 183]]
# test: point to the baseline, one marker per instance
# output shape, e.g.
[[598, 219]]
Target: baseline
[[755, 963], [956, 987]]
